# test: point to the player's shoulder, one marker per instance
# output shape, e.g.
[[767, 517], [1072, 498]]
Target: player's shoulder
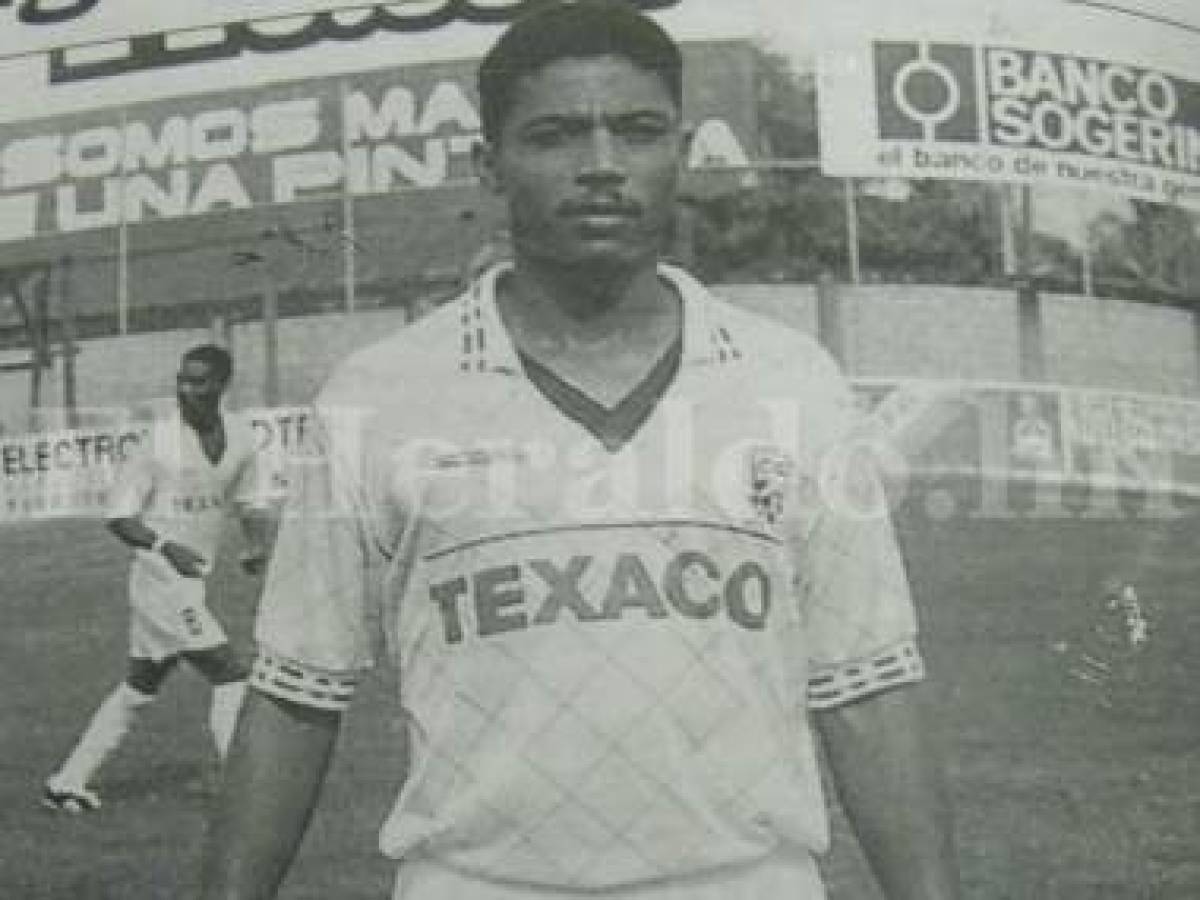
[[419, 353], [766, 346]]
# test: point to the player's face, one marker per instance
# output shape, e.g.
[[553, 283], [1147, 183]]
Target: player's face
[[588, 160], [198, 391]]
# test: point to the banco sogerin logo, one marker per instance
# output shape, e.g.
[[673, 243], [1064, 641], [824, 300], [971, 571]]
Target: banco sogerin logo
[[926, 91]]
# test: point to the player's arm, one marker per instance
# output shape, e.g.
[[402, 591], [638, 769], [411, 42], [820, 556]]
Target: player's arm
[[137, 534], [131, 494], [273, 778], [889, 782], [259, 526], [865, 675], [133, 531], [258, 509], [316, 631]]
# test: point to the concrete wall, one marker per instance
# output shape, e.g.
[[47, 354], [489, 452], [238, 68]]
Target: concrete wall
[[1125, 346], [309, 347], [886, 331], [923, 331], [931, 331], [140, 368], [793, 304], [116, 371]]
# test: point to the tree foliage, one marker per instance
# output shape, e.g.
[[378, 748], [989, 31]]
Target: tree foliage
[[1154, 255], [789, 223]]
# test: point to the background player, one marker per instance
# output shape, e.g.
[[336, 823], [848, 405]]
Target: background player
[[605, 696], [168, 505]]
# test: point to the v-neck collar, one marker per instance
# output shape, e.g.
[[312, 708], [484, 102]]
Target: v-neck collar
[[199, 439], [176, 432], [488, 347], [613, 426]]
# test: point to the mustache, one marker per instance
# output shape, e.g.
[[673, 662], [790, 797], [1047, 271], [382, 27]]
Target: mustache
[[600, 206]]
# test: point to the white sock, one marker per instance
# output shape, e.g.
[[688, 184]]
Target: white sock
[[223, 713], [104, 733]]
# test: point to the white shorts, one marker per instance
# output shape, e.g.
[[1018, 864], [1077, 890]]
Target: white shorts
[[784, 876], [167, 613]]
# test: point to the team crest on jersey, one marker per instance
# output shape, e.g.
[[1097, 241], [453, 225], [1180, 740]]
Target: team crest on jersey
[[770, 471]]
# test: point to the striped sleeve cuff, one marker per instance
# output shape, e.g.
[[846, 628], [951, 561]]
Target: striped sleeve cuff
[[833, 686], [289, 680]]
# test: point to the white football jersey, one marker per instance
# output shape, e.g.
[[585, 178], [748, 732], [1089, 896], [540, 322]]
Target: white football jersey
[[605, 653], [181, 494]]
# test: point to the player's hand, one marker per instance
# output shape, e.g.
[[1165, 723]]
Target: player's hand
[[186, 561]]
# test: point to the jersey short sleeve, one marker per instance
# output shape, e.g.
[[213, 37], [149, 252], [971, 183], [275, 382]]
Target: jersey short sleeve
[[317, 621], [859, 617]]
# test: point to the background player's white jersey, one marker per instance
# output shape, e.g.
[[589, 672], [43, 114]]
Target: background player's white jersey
[[181, 494], [605, 654]]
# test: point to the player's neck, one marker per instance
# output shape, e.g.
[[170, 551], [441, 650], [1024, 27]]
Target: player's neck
[[208, 425], [576, 310], [210, 432]]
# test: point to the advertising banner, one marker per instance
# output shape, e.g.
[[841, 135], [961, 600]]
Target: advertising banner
[[284, 434], [85, 37], [32, 26], [1066, 94], [69, 473], [63, 473], [1133, 437], [409, 127], [995, 434], [991, 436], [162, 54]]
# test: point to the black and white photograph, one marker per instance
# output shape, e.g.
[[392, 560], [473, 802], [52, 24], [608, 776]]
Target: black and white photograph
[[600, 449]]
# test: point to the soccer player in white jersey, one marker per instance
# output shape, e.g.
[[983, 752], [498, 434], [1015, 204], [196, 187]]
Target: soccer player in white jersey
[[582, 512], [169, 505]]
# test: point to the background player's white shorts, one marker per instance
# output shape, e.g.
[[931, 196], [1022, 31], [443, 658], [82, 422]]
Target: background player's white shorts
[[784, 876], [168, 615]]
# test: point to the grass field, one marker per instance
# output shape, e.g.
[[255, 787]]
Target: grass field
[[1057, 796]]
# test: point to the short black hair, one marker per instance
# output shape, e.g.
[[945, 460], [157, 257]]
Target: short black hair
[[217, 359], [553, 30]]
